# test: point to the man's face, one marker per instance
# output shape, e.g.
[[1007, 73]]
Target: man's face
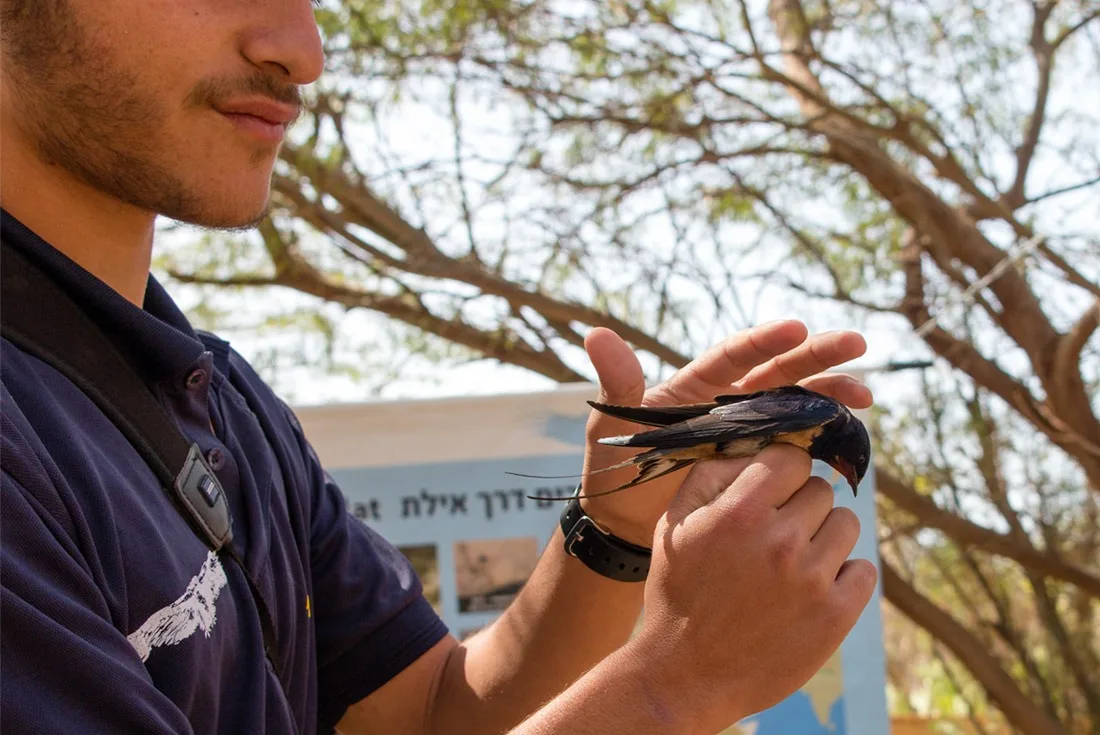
[[159, 103]]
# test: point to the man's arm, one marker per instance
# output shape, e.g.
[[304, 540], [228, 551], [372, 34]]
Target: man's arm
[[567, 619], [749, 594]]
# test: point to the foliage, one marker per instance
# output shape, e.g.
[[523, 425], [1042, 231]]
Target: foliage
[[494, 178]]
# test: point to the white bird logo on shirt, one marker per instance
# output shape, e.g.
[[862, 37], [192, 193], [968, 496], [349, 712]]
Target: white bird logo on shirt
[[194, 610]]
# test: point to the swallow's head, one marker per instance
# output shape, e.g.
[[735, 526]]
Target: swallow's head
[[845, 446]]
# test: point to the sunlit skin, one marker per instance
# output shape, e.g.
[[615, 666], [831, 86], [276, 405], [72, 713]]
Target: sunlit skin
[[109, 117]]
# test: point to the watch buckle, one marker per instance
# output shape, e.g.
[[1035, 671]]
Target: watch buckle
[[576, 533]]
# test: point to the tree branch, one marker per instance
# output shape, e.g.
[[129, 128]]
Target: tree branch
[[999, 686], [1072, 274], [964, 356], [424, 258], [1064, 35], [1068, 353], [968, 534], [501, 344], [1064, 190], [1010, 630], [1041, 49], [1023, 318]]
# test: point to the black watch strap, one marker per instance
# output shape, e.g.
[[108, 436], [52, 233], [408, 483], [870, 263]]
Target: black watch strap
[[600, 551]]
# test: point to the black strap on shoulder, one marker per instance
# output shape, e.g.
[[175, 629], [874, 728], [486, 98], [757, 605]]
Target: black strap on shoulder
[[40, 318]]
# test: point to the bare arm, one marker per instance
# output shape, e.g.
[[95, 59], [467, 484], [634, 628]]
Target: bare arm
[[564, 621], [623, 694], [749, 594]]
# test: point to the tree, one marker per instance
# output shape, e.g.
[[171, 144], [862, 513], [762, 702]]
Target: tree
[[492, 178]]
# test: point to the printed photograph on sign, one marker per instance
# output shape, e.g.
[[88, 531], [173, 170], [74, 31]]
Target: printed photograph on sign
[[426, 563], [489, 573]]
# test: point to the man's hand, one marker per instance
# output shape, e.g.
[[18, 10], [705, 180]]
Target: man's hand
[[749, 594], [751, 591], [770, 355]]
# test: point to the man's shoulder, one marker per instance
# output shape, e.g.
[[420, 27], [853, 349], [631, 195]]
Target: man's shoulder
[[29, 396], [35, 393], [44, 422]]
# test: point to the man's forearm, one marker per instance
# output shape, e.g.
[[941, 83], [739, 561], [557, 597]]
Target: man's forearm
[[566, 619], [622, 695]]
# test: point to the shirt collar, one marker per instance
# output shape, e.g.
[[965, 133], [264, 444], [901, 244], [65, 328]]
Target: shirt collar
[[162, 342]]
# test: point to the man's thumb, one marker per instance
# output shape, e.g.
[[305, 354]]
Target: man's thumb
[[621, 379]]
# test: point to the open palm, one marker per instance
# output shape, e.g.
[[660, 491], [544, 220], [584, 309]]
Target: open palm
[[770, 355]]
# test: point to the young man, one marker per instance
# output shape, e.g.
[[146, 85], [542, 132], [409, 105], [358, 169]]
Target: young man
[[115, 615]]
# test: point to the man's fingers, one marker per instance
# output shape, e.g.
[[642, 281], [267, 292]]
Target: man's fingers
[[729, 361], [855, 583], [706, 481], [844, 388], [769, 480], [815, 355], [835, 538], [810, 504]]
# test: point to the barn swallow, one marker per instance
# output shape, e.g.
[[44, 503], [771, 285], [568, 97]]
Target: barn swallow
[[740, 426]]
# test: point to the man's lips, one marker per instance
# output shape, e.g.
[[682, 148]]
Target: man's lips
[[264, 119], [264, 109]]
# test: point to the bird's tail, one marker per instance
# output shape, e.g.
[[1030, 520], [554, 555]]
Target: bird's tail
[[651, 465], [619, 466]]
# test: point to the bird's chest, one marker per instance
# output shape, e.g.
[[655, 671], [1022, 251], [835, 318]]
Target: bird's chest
[[800, 439], [734, 448]]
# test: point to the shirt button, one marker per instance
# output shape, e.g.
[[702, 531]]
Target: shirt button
[[196, 378], [216, 458]]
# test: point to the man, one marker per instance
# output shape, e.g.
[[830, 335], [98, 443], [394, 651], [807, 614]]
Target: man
[[116, 617]]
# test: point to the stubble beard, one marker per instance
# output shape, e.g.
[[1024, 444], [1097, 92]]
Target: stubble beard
[[85, 114]]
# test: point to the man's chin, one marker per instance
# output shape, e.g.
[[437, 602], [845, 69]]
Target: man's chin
[[218, 217], [241, 224]]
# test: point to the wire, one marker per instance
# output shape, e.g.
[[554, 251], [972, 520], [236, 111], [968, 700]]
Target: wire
[[967, 298]]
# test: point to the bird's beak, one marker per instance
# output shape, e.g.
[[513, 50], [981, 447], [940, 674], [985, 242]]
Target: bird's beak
[[848, 472]]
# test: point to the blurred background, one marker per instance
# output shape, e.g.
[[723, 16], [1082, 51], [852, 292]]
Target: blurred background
[[477, 183]]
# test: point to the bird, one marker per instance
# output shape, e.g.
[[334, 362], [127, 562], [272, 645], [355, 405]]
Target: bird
[[735, 426]]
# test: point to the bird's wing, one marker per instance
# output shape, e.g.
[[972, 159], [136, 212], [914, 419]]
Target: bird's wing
[[668, 415], [765, 413]]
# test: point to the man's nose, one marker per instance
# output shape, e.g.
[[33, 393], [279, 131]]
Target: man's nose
[[284, 40]]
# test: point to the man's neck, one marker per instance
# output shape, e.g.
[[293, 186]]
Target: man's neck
[[110, 239]]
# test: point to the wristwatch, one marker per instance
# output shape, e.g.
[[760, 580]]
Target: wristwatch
[[598, 549]]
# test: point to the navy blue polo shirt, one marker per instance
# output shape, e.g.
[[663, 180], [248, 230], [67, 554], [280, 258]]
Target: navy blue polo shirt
[[114, 615]]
